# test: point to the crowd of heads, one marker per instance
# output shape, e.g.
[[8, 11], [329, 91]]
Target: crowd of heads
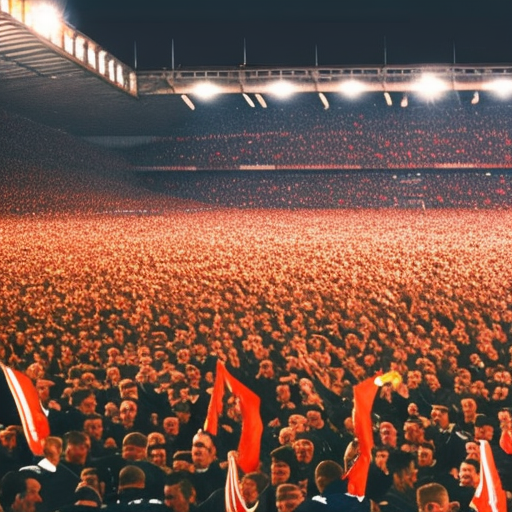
[[358, 136], [119, 321]]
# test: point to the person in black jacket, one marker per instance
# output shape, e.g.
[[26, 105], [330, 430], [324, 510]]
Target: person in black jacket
[[333, 492]]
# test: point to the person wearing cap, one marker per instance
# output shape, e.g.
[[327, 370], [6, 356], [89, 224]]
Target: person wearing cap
[[433, 497], [182, 461], [484, 429]]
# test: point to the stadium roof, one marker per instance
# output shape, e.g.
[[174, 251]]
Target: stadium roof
[[70, 83]]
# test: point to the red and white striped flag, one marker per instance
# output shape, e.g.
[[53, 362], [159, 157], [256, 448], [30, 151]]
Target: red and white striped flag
[[489, 495], [32, 418]]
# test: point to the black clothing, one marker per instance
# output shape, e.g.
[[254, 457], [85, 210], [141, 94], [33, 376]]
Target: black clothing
[[334, 499]]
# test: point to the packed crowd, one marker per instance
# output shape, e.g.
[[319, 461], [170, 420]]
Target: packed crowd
[[45, 171], [357, 189], [120, 321], [363, 136]]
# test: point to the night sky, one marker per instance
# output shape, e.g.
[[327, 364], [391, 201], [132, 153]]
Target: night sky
[[286, 32]]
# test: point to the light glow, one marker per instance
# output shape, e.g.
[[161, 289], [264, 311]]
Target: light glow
[[206, 90], [281, 89], [389, 101], [430, 87], [501, 88], [352, 88], [45, 20]]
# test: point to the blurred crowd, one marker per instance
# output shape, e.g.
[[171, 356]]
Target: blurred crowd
[[363, 136], [336, 189], [119, 321]]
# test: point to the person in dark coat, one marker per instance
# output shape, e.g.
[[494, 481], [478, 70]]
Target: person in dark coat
[[333, 492]]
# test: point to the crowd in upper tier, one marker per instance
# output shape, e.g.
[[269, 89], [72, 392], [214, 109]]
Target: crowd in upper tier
[[363, 136]]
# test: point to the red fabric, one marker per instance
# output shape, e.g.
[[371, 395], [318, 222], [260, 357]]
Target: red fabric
[[489, 495], [252, 426], [364, 395], [34, 421], [506, 442]]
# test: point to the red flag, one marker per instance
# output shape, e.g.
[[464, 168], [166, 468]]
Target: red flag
[[364, 395], [34, 421], [252, 426], [489, 495]]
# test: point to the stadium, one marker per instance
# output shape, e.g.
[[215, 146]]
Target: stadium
[[298, 230]]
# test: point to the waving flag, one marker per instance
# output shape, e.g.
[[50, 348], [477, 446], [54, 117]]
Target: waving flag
[[489, 495], [252, 426], [27, 410], [364, 395]]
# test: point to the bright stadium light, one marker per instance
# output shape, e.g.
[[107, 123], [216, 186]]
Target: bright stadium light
[[45, 19], [387, 97], [405, 101], [430, 87], [281, 89], [352, 88], [475, 99], [502, 88], [206, 90]]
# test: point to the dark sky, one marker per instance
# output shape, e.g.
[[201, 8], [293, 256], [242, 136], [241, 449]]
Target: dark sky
[[286, 32]]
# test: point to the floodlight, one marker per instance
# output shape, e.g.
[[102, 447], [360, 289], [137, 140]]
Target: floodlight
[[281, 89], [45, 19], [475, 99], [387, 97], [206, 90], [430, 86], [248, 99], [352, 88], [501, 87], [261, 100], [188, 102], [405, 101], [324, 101]]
